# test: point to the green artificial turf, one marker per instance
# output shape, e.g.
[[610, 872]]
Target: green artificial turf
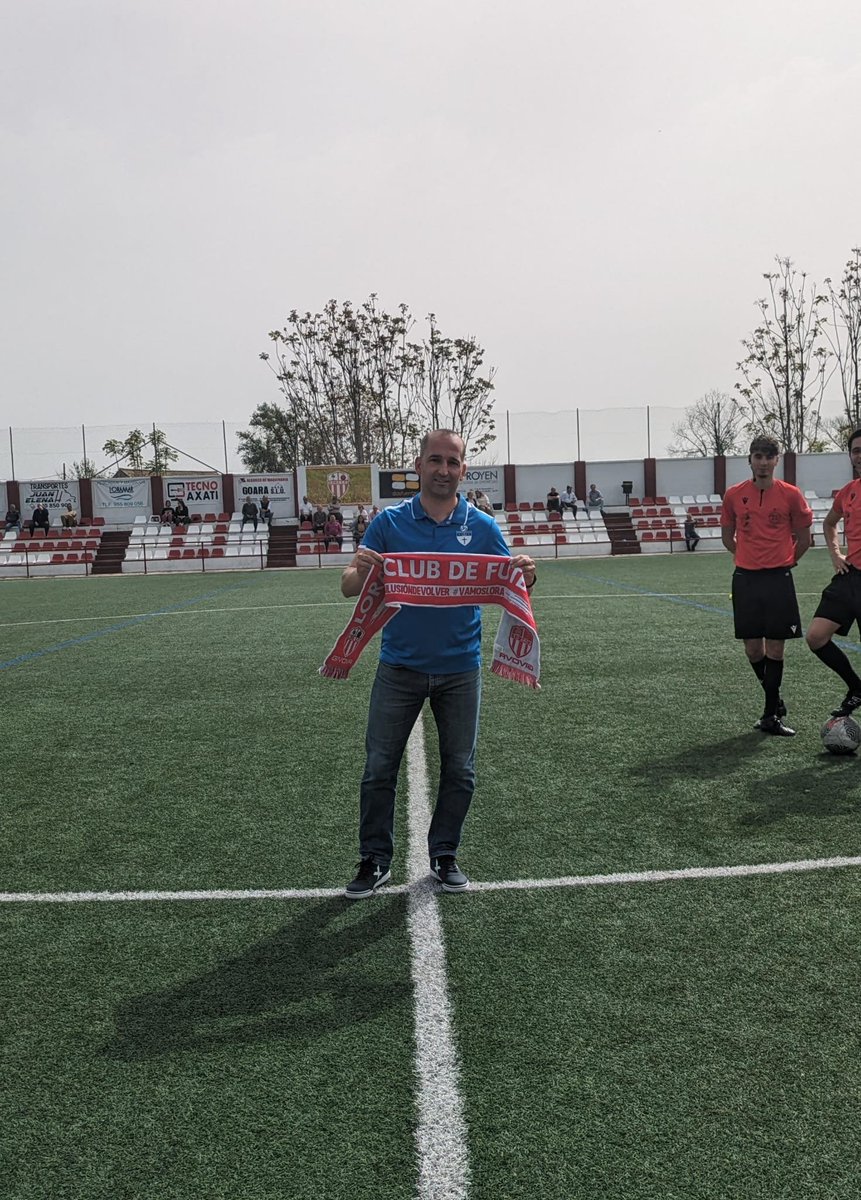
[[191, 1050], [661, 1042]]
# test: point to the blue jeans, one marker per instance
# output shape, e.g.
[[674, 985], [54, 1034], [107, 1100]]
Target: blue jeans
[[397, 698]]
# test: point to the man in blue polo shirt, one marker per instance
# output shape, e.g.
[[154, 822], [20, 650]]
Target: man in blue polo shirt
[[426, 654]]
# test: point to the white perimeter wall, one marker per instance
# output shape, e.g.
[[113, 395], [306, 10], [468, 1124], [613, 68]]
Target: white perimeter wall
[[685, 476], [608, 476], [822, 473], [533, 483]]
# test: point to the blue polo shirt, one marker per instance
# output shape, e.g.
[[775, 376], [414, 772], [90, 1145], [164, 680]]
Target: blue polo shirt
[[437, 641]]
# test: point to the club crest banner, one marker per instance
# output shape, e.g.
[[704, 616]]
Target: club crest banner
[[346, 484]]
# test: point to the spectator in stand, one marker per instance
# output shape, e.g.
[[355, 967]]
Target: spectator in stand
[[334, 531], [167, 515], [482, 503], [69, 518], [691, 536], [13, 518], [306, 510], [181, 515], [265, 510], [318, 520], [360, 524], [470, 499], [41, 519], [554, 504], [375, 512], [335, 511], [568, 500], [249, 513], [595, 499]]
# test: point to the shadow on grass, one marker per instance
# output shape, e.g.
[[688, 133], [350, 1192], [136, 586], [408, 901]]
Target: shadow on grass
[[327, 969], [825, 788], [703, 761]]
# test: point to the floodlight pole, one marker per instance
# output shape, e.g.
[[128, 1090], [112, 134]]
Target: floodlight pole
[[224, 435], [12, 451], [648, 434], [577, 411], [507, 434], [84, 443]]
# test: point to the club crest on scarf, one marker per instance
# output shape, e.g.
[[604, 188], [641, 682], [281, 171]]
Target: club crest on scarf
[[520, 640]]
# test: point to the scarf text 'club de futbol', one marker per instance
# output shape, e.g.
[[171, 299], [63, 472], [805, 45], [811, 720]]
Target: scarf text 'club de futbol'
[[443, 580]]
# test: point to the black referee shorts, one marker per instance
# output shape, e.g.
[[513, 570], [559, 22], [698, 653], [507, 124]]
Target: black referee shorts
[[841, 601], [764, 604]]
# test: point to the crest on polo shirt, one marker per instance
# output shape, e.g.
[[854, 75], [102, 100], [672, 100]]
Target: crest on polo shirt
[[464, 534]]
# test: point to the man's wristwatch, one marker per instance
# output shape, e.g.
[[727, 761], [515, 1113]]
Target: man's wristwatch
[[531, 585]]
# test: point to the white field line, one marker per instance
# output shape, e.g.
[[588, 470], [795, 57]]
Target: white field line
[[255, 608], [441, 1128], [494, 885]]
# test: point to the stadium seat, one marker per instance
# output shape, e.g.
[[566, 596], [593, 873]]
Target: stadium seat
[[561, 539], [661, 500], [538, 506], [176, 541], [634, 500], [97, 521], [203, 552], [223, 516], [218, 552], [518, 541], [648, 501], [647, 537], [58, 558], [525, 506], [188, 552], [510, 508], [172, 554]]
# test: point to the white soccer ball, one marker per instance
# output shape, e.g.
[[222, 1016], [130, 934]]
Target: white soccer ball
[[841, 735]]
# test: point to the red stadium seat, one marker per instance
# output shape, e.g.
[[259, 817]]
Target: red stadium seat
[[73, 558], [648, 500], [174, 554], [203, 552], [647, 537], [218, 552], [525, 506], [651, 512], [63, 545], [224, 516], [98, 521], [662, 536], [220, 539], [189, 553], [561, 539], [176, 541], [634, 500], [538, 506], [661, 500], [58, 558], [87, 557], [518, 541], [210, 517], [509, 508]]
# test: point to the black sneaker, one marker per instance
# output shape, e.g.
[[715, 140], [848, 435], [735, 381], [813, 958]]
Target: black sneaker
[[781, 712], [445, 868], [776, 727], [369, 877], [851, 701]]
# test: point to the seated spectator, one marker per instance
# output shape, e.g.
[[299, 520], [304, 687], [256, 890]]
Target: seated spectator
[[595, 499], [265, 510], [482, 503], [691, 536], [375, 512], [167, 515], [13, 518], [41, 519], [306, 510], [249, 513], [568, 500], [554, 503], [181, 515], [69, 518], [360, 524], [333, 532], [335, 511], [470, 499], [318, 519]]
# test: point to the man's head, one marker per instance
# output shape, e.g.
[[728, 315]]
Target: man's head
[[441, 464], [855, 452], [763, 456]]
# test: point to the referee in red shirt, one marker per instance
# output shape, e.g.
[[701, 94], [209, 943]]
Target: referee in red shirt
[[841, 601], [766, 526]]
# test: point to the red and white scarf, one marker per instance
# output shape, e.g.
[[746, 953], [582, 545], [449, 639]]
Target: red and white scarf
[[443, 580]]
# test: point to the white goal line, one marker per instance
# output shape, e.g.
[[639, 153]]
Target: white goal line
[[506, 885]]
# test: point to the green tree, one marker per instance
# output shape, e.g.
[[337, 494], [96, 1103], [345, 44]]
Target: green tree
[[85, 469], [357, 389], [784, 370], [132, 449], [713, 426]]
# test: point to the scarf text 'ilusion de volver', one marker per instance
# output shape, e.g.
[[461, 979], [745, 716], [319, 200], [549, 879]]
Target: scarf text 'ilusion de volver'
[[444, 580]]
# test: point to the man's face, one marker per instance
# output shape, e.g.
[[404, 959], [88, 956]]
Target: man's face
[[763, 464], [442, 466], [855, 456]]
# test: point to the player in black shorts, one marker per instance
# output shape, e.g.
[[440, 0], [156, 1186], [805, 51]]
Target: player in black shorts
[[766, 526], [841, 600]]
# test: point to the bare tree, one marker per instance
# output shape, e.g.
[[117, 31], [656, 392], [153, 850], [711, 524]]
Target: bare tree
[[713, 426], [843, 333], [785, 367], [356, 389]]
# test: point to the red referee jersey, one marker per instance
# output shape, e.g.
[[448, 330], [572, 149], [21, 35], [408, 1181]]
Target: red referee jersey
[[847, 504], [763, 519]]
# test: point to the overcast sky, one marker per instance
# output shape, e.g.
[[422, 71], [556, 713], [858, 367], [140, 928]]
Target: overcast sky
[[594, 191]]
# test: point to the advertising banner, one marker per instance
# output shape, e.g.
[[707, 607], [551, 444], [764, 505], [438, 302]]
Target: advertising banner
[[398, 485], [202, 494], [53, 493], [279, 488], [348, 485], [119, 501], [490, 480]]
